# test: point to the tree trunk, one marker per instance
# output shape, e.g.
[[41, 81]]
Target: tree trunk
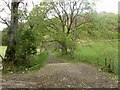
[[72, 52], [11, 42], [74, 39], [64, 48]]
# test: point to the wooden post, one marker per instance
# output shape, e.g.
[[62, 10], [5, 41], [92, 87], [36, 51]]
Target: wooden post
[[105, 62]]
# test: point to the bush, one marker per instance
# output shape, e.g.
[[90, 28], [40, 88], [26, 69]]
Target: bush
[[35, 62], [38, 61], [25, 47]]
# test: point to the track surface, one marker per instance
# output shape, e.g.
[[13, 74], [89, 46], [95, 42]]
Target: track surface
[[57, 74]]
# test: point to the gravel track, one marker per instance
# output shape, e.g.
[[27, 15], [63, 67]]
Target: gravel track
[[56, 74]]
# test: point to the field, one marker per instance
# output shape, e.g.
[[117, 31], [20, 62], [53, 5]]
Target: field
[[2, 50], [98, 53]]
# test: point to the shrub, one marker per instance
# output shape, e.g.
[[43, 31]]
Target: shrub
[[25, 47]]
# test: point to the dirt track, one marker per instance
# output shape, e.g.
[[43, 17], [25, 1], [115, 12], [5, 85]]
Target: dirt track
[[61, 75]]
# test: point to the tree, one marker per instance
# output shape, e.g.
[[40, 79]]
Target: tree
[[26, 45], [63, 18], [10, 52], [12, 26], [104, 26], [37, 22]]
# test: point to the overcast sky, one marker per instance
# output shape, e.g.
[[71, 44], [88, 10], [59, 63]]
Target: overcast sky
[[102, 5]]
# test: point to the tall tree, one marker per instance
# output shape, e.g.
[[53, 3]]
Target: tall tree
[[63, 17], [11, 41]]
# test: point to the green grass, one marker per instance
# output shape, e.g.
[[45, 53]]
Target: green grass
[[38, 61], [2, 51], [95, 52]]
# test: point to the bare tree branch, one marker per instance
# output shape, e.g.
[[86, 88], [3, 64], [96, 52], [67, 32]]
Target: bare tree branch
[[33, 4], [63, 8], [57, 12], [4, 21], [7, 4], [67, 12], [2, 10]]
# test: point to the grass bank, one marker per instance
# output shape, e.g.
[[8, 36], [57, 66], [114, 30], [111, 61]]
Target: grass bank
[[2, 50], [36, 62], [97, 52]]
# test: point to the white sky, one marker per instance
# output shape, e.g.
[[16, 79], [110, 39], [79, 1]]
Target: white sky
[[102, 5], [107, 5]]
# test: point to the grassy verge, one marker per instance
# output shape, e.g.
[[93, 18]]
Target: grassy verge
[[2, 50], [97, 52], [36, 62]]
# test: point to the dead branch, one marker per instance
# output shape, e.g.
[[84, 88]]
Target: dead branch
[[7, 4], [4, 21]]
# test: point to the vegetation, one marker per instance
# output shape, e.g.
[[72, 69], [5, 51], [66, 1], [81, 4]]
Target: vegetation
[[36, 62], [74, 27], [3, 49], [90, 52]]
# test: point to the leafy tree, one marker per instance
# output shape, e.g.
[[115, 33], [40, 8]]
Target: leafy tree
[[10, 52], [37, 22], [106, 26], [103, 26], [21, 38], [62, 19], [26, 45]]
